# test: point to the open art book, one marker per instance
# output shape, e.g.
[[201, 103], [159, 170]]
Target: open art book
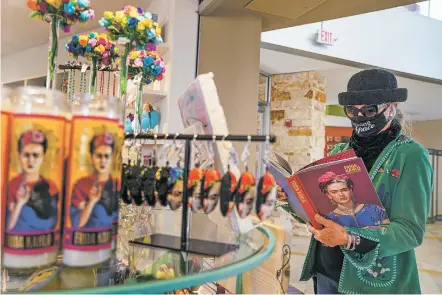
[[337, 187]]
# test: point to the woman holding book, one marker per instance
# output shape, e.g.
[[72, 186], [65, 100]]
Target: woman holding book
[[376, 259]]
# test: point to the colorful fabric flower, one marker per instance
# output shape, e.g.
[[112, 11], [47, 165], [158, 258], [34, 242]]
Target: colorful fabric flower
[[395, 173], [132, 23], [93, 46], [68, 12]]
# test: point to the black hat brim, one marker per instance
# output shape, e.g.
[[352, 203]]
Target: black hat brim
[[378, 96]]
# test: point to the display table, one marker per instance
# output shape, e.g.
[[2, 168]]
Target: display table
[[145, 272]]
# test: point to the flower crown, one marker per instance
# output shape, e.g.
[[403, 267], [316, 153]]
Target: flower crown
[[211, 178], [32, 136], [268, 183], [68, 12], [104, 139], [248, 181], [330, 176]]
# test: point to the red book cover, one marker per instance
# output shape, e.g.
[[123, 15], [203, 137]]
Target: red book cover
[[297, 197], [348, 154], [343, 192], [306, 203]]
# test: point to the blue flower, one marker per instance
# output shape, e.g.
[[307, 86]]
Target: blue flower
[[103, 22], [88, 48], [84, 16], [148, 61], [140, 10], [83, 3], [69, 8], [75, 38], [132, 22], [93, 35], [156, 71], [151, 34]]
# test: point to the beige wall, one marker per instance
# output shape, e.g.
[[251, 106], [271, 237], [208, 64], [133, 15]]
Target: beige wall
[[428, 133]]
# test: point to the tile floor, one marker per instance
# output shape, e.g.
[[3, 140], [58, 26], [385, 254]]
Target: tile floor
[[429, 258]]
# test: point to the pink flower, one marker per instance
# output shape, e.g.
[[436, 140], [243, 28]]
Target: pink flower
[[67, 28], [138, 63], [102, 41], [395, 173], [43, 6], [106, 54], [93, 42], [108, 139]]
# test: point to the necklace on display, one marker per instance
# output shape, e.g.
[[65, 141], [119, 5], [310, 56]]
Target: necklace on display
[[108, 83], [71, 84], [102, 83]]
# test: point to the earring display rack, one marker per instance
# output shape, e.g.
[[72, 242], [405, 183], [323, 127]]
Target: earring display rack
[[184, 243], [79, 67]]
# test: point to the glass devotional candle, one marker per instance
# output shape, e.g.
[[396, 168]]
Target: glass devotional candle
[[5, 116], [91, 204], [118, 169], [35, 177]]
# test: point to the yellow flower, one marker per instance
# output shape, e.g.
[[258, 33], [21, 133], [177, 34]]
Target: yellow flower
[[116, 50], [134, 54], [124, 22], [147, 23], [134, 13], [140, 27], [102, 35], [119, 16], [109, 15], [100, 49], [55, 3], [83, 40], [158, 31]]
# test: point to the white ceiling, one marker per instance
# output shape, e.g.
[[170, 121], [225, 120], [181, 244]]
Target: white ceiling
[[423, 97], [20, 32]]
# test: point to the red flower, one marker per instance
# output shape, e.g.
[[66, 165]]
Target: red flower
[[395, 173]]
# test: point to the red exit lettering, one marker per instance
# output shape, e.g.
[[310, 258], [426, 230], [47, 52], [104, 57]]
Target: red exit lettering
[[326, 37]]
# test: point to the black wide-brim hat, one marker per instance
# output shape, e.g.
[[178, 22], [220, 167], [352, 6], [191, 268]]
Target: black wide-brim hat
[[372, 87]]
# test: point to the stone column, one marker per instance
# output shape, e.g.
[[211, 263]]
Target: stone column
[[297, 116]]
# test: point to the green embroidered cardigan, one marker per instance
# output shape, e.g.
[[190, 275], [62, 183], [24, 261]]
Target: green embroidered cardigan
[[403, 178]]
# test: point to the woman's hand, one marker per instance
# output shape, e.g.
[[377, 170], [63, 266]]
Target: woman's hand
[[23, 194], [95, 194], [331, 235]]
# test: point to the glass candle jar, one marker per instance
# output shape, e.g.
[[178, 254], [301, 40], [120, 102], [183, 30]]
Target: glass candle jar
[[34, 177], [91, 205]]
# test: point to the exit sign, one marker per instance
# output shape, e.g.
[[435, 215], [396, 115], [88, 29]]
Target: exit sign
[[325, 37]]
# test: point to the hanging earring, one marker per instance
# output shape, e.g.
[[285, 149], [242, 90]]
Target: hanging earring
[[195, 182], [149, 178], [71, 84], [266, 190], [136, 189], [212, 182], [162, 178], [127, 177], [246, 186], [228, 188], [175, 196]]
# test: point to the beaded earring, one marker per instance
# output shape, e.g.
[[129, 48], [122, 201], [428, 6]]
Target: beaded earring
[[108, 83], [266, 190]]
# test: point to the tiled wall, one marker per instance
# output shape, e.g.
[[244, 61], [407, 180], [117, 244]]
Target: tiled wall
[[297, 116]]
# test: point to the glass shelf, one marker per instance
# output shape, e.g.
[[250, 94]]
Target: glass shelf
[[148, 270]]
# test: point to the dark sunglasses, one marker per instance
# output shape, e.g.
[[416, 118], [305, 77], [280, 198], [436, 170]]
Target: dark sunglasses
[[368, 111]]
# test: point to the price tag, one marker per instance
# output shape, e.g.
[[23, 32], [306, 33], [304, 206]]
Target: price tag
[[84, 68], [123, 40]]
